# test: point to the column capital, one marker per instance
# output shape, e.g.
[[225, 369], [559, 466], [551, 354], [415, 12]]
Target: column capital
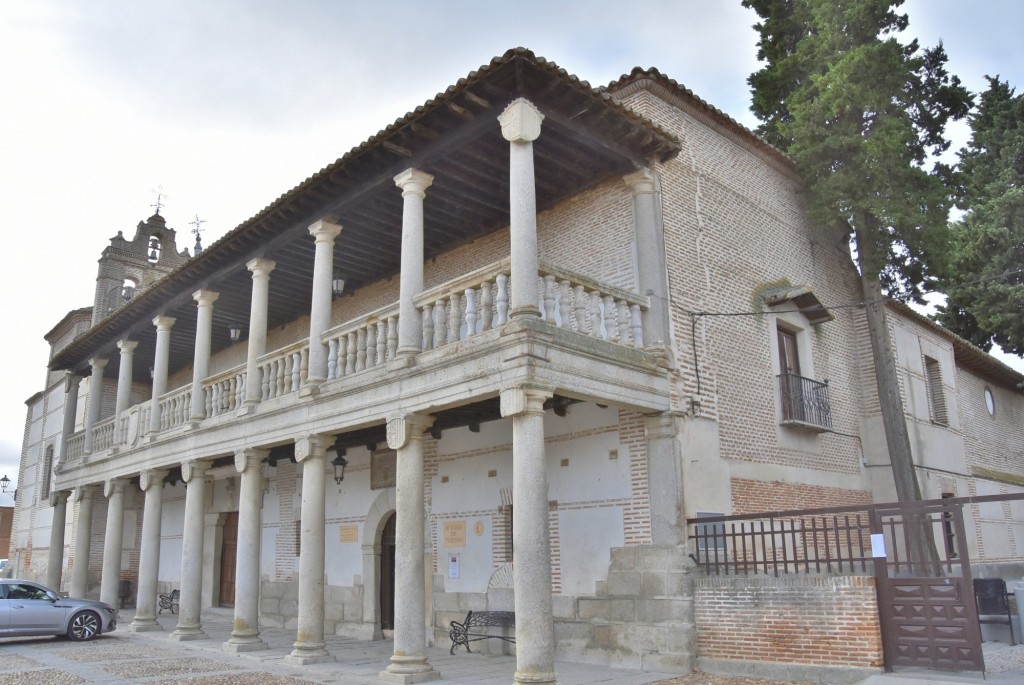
[[405, 427], [71, 380], [84, 492], [520, 122], [413, 182], [194, 468], [260, 266], [640, 182], [249, 457], [151, 477], [205, 297], [528, 398], [661, 425], [313, 446], [58, 496], [127, 346], [114, 486], [163, 323], [324, 229], [98, 363]]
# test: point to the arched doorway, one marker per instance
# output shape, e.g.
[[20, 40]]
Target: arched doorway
[[387, 575]]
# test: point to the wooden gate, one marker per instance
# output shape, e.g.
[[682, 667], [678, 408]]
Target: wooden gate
[[926, 604]]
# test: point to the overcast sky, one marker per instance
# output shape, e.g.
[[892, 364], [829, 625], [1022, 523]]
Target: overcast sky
[[229, 104]]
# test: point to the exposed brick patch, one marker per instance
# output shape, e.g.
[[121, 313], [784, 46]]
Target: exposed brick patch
[[807, 620], [755, 496]]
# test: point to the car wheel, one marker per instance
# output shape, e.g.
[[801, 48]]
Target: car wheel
[[84, 626]]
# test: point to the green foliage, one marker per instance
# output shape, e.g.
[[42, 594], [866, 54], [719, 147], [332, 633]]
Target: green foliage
[[985, 285], [861, 114]]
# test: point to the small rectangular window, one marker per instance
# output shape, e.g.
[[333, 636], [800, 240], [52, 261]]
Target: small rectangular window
[[936, 394], [710, 536]]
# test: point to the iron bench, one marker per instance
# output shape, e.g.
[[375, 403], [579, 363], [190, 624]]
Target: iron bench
[[169, 602], [475, 628]]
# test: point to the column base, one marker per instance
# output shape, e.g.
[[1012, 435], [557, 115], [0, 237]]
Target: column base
[[402, 361], [303, 656], [237, 646], [532, 678], [186, 634], [144, 626], [311, 389], [408, 669]]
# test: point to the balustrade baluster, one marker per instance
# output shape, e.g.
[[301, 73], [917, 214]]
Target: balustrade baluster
[[469, 294], [595, 313], [303, 365], [332, 358], [342, 354], [360, 349], [265, 370], [371, 346], [382, 342], [486, 306], [208, 396], [454, 317], [440, 324], [280, 377], [428, 327], [638, 327], [392, 336], [564, 304], [350, 358], [611, 315], [548, 285], [286, 365], [502, 299], [580, 308], [623, 316], [296, 371]]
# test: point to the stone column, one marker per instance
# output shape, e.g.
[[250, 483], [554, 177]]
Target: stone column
[[310, 647], [520, 125], [409, 662], [414, 184], [652, 272], [55, 562], [113, 490], [257, 347], [124, 386], [92, 416], [665, 477], [190, 600], [245, 633], [324, 232], [151, 482], [83, 540], [161, 356], [71, 383], [531, 574], [201, 359]]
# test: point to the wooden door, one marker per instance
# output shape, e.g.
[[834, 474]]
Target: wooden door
[[387, 575], [228, 558]]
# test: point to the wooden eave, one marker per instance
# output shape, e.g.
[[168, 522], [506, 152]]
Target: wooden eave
[[587, 138]]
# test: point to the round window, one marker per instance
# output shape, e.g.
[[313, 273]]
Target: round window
[[990, 401]]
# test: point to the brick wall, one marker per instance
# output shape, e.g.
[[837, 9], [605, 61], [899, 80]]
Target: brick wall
[[755, 496], [812, 620]]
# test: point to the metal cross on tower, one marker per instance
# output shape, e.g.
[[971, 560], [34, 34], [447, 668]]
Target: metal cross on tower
[[197, 231], [160, 197]]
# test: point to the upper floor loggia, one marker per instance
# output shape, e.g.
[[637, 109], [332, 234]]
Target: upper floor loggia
[[405, 276]]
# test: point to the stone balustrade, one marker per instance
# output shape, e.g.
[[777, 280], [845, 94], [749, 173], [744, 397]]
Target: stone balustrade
[[456, 310], [103, 435], [282, 371], [362, 344]]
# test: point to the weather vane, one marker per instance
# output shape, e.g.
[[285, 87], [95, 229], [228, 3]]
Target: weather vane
[[160, 197], [197, 231]]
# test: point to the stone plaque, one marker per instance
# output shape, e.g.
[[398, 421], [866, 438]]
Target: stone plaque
[[348, 534], [478, 528], [455, 534], [382, 469]]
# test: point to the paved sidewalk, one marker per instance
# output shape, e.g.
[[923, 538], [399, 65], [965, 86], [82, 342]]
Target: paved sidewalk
[[126, 658]]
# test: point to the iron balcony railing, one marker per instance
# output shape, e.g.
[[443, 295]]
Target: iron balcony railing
[[805, 401]]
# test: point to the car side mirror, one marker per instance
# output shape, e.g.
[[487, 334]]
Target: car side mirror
[[54, 596]]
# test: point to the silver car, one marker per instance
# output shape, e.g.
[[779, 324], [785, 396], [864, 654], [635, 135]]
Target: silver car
[[28, 608]]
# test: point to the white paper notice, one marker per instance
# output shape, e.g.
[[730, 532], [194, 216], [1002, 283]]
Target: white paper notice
[[877, 545]]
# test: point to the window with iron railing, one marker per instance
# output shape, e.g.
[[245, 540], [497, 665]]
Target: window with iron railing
[[805, 401]]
